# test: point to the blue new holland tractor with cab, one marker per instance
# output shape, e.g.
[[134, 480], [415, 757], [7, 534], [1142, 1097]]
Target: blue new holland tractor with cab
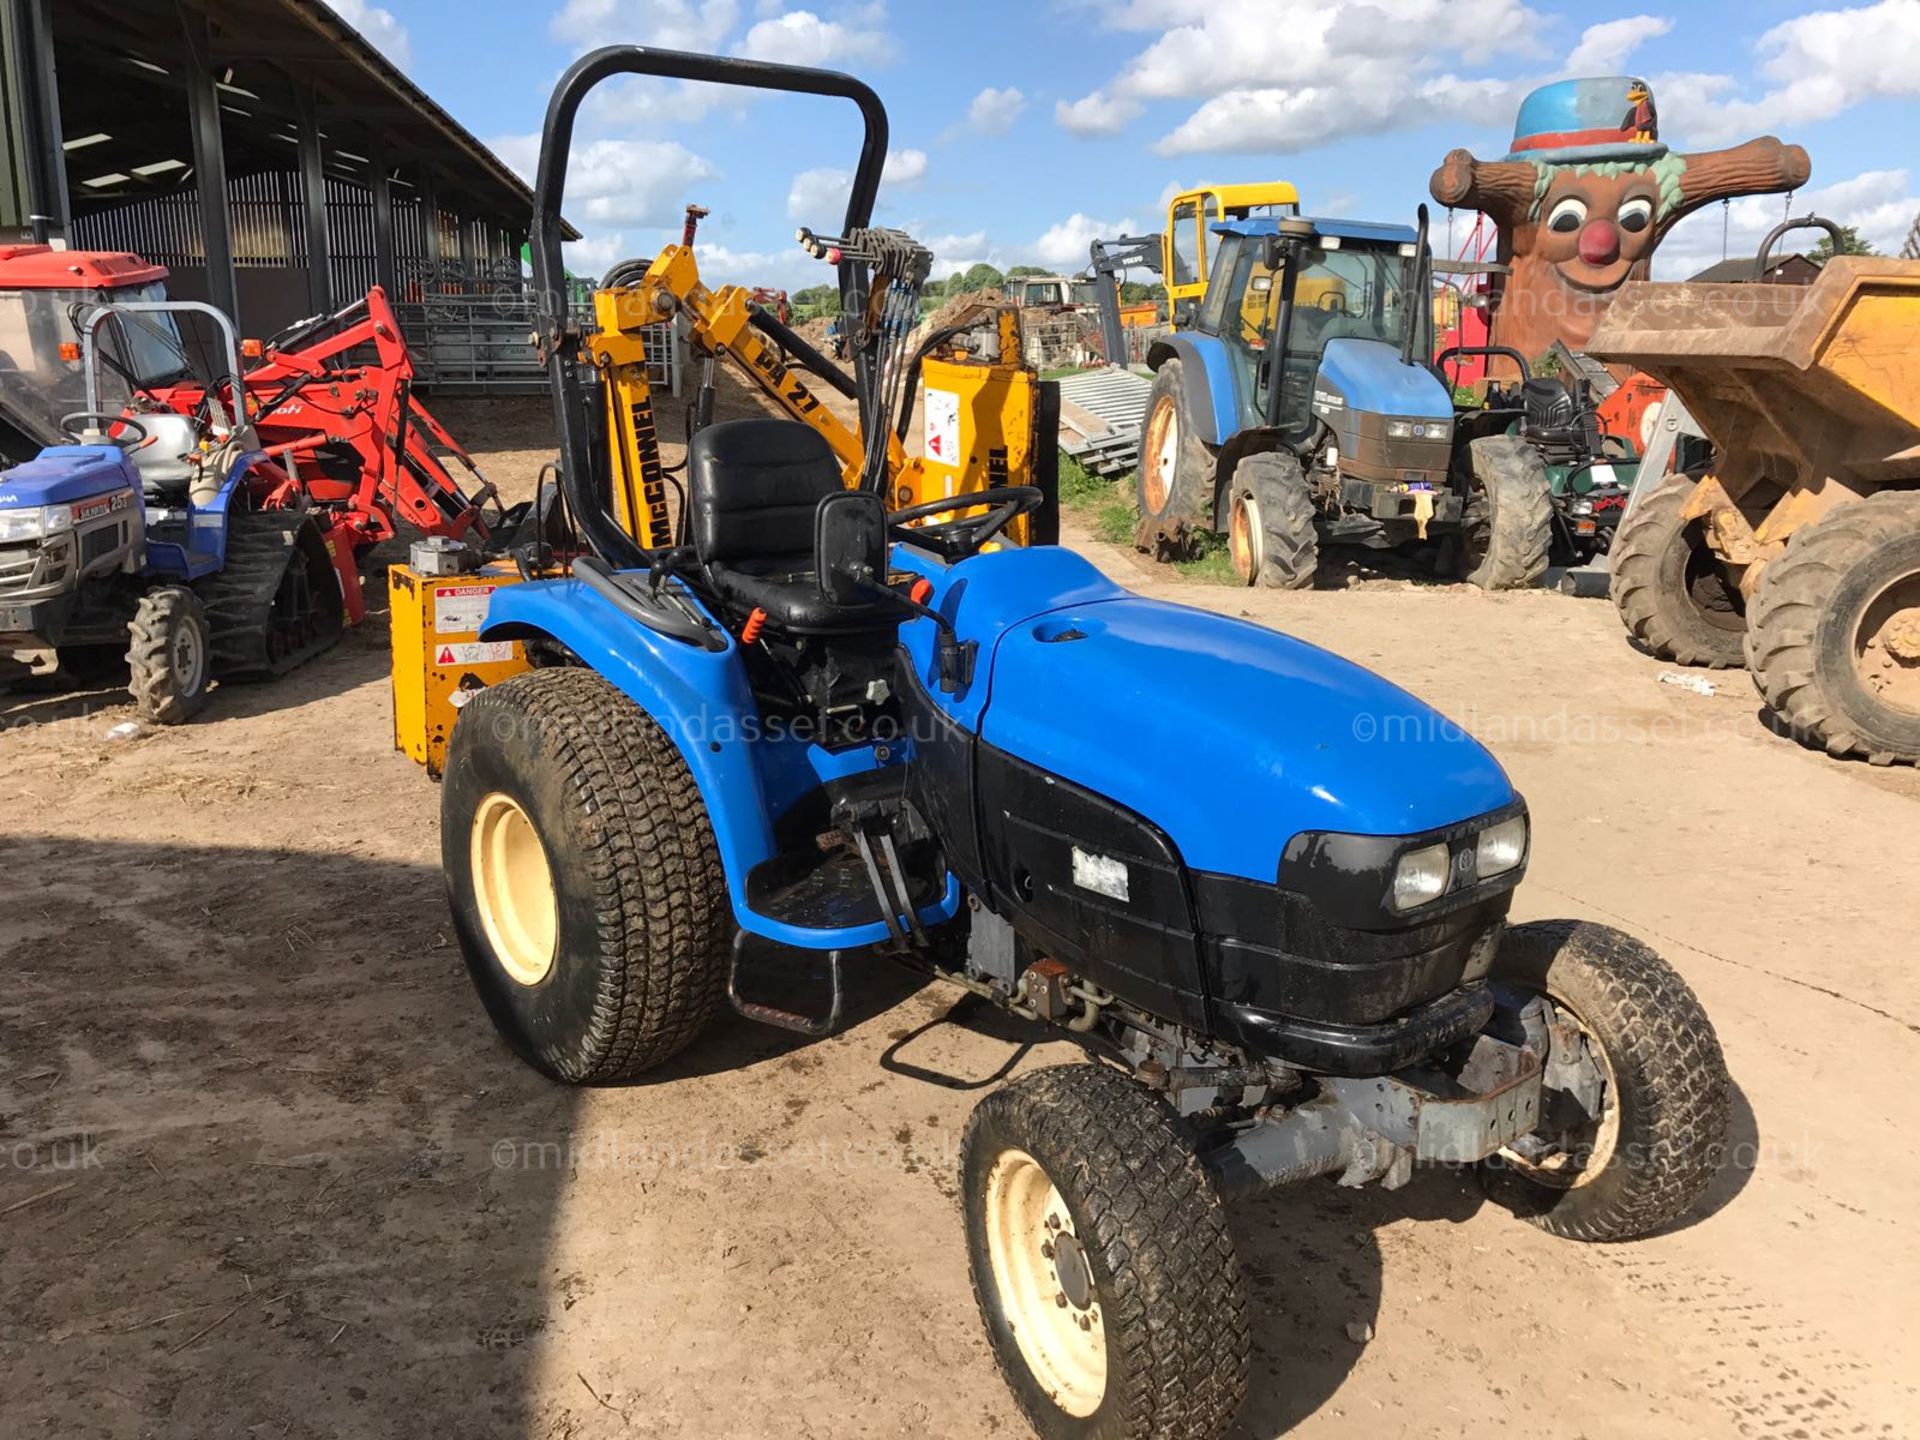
[[1301, 409], [817, 734]]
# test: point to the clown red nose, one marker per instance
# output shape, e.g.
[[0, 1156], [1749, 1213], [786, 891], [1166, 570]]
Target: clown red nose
[[1600, 242]]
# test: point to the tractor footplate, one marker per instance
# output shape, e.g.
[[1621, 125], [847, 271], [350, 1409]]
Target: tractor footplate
[[790, 971]]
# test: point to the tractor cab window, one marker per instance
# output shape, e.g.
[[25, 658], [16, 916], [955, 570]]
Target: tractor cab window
[[1187, 240], [40, 387], [1341, 292]]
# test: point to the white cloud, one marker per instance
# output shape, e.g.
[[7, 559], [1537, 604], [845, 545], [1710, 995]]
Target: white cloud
[[819, 196], [1605, 48], [1065, 245], [618, 182], [1880, 204], [953, 254], [992, 112], [670, 24], [1095, 114], [379, 28], [1816, 65], [1278, 121], [801, 37]]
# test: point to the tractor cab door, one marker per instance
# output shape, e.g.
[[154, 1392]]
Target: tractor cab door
[[1185, 253], [1241, 307]]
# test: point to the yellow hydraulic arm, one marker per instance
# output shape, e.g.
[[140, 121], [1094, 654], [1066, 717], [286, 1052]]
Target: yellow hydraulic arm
[[979, 413]]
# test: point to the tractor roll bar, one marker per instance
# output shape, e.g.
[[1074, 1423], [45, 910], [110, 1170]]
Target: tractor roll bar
[[95, 315], [1505, 351], [585, 497]]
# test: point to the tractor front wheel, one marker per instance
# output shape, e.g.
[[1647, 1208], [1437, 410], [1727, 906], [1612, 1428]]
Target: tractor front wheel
[[583, 877], [1634, 1115], [1508, 528], [1101, 1260], [1270, 530], [1833, 637], [1174, 480], [169, 655], [1669, 587]]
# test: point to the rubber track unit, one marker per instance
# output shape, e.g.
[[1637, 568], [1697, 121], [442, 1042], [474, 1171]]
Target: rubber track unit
[[1509, 473], [252, 637], [1783, 618], [660, 895], [1177, 1311], [1664, 1051], [1653, 615]]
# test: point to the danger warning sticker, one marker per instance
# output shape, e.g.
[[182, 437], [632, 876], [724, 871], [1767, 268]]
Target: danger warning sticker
[[474, 652], [460, 609], [942, 413]]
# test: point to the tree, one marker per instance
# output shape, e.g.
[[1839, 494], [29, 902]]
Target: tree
[[980, 277], [1850, 244], [1017, 271]]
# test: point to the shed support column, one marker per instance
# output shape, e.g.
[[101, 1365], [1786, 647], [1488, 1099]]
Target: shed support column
[[313, 182], [210, 166], [430, 232], [33, 171], [385, 268], [471, 277]]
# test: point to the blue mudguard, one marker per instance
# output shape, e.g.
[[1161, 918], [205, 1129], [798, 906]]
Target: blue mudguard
[[1207, 373], [205, 550], [1229, 737], [748, 773]]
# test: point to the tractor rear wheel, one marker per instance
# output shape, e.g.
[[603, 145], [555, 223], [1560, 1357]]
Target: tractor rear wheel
[[1102, 1261], [1174, 479], [1668, 585], [1833, 638], [1508, 528], [1270, 530], [169, 655], [583, 877]]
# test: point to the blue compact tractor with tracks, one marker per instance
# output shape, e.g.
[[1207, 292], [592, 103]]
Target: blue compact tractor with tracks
[[817, 736]]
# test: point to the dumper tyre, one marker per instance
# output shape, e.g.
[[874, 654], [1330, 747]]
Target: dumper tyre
[[1670, 589], [1101, 1260], [1173, 483], [1507, 531], [169, 655], [1661, 1132], [583, 877], [1271, 535], [1833, 637]]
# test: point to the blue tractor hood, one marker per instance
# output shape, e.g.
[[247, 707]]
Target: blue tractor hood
[[1229, 737], [1374, 380], [63, 474]]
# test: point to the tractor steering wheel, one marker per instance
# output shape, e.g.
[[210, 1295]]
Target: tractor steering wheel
[[963, 535], [75, 426]]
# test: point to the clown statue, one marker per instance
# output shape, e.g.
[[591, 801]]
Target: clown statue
[[1584, 196]]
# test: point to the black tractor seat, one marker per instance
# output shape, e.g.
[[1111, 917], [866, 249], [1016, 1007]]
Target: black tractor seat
[[753, 488]]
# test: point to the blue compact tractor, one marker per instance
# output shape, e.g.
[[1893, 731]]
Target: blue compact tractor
[[1300, 409], [816, 734]]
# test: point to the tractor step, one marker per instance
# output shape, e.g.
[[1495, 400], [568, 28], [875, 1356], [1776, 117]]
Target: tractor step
[[835, 887], [789, 971]]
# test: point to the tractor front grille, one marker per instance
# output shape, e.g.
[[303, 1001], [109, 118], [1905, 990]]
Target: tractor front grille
[[16, 566]]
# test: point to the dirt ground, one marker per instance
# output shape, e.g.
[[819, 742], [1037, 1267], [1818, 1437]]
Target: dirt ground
[[265, 1171]]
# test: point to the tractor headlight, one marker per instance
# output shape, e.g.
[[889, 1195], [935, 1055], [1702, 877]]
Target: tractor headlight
[[1501, 847], [1419, 429], [35, 524], [1582, 506], [1420, 876]]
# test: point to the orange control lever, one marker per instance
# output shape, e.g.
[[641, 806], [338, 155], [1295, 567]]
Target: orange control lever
[[750, 631]]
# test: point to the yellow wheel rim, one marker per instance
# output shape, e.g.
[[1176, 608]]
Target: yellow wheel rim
[[513, 887], [1046, 1287], [1160, 454], [1245, 540]]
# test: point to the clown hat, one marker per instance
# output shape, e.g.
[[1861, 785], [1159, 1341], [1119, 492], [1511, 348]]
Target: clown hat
[[1584, 121]]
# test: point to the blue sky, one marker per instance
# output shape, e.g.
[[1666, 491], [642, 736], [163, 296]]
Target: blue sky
[[1020, 130]]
